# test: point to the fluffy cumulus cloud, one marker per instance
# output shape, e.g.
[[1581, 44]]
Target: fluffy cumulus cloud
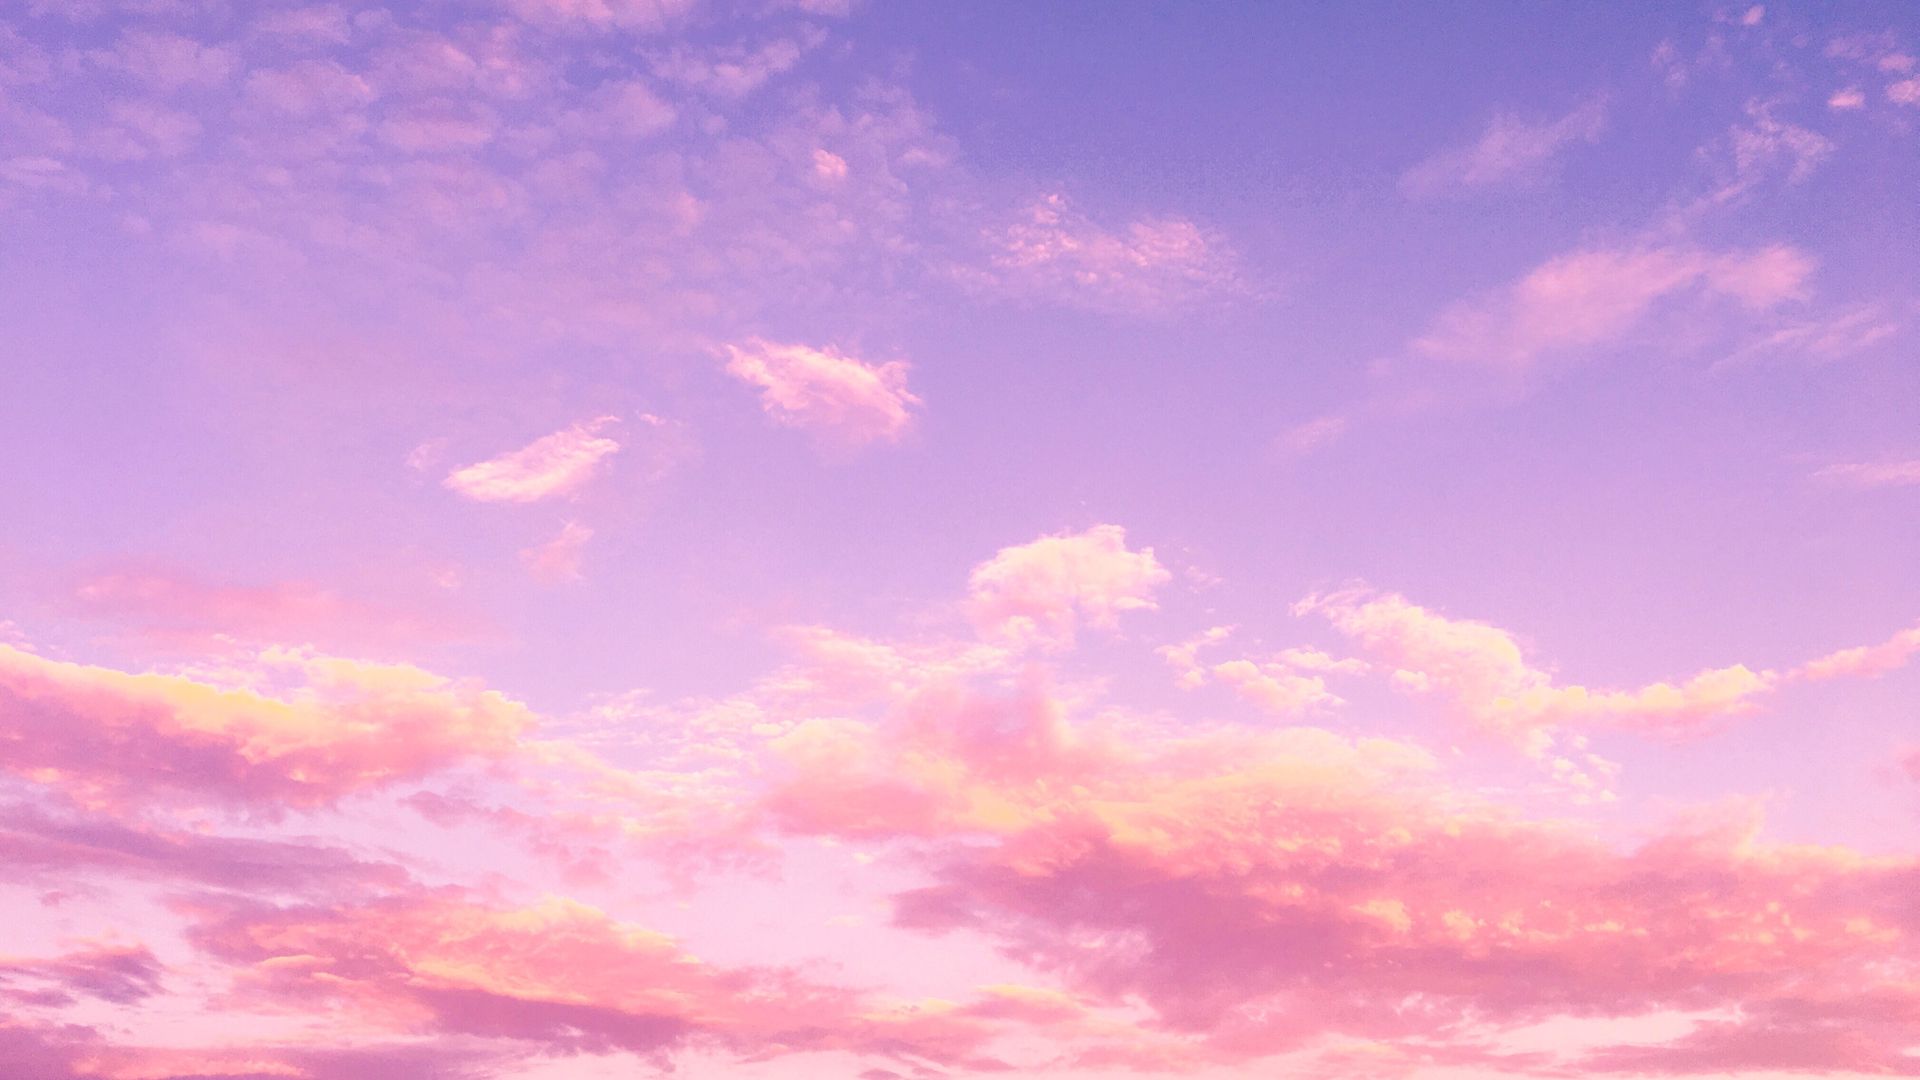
[[291, 729], [1265, 892], [1482, 672], [1171, 894], [548, 466], [1045, 589], [824, 390]]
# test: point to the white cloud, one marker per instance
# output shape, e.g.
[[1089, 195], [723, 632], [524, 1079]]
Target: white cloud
[[552, 465], [825, 390]]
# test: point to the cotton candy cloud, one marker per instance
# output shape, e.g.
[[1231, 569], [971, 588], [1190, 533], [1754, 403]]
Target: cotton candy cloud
[[1592, 298], [1866, 661], [1485, 676], [1292, 683], [1262, 893], [558, 976], [823, 390], [552, 465], [1043, 590], [293, 729]]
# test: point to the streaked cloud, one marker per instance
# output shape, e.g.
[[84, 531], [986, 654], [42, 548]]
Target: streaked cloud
[[1871, 474], [1055, 253], [1595, 297], [1512, 151], [552, 465]]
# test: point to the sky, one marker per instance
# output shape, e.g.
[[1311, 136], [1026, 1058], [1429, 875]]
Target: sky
[[835, 540]]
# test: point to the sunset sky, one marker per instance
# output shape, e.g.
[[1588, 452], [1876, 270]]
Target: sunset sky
[[822, 540]]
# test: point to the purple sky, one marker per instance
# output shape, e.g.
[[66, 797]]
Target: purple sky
[[552, 538]]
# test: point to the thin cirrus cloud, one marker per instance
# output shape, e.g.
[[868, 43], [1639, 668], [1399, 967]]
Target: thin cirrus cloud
[[1056, 252], [1871, 474], [839, 397], [1598, 296], [1512, 151], [552, 465]]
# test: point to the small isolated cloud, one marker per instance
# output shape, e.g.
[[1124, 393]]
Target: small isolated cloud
[[1593, 297], [1305, 438], [1512, 151], [1055, 253], [1872, 474], [826, 391], [1041, 591], [558, 559], [548, 466], [1850, 98]]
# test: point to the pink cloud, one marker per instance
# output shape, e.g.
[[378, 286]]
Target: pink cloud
[[1872, 474], [1041, 591], [1866, 661], [1485, 675], [1512, 150], [551, 465], [559, 975], [173, 606], [309, 88], [633, 14], [1290, 684], [1595, 297], [1056, 253], [170, 61], [336, 726], [121, 974], [1266, 892], [826, 391], [558, 559]]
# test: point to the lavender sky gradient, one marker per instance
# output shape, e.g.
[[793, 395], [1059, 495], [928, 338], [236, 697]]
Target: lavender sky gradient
[[785, 540]]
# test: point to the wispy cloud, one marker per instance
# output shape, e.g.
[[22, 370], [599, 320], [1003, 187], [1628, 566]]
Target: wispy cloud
[[1872, 474], [552, 465], [1512, 151], [1593, 297], [1056, 253], [558, 559]]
